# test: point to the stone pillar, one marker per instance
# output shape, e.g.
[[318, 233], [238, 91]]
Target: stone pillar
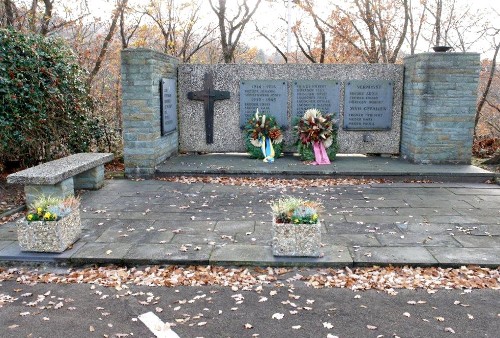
[[439, 106], [143, 145]]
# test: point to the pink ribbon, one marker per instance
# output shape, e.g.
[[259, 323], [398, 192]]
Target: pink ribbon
[[320, 154]]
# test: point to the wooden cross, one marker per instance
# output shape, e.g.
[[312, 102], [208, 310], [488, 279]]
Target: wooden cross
[[208, 95]]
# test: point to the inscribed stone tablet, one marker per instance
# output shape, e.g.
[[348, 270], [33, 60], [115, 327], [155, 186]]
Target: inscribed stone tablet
[[368, 105], [270, 96], [168, 105], [323, 95]]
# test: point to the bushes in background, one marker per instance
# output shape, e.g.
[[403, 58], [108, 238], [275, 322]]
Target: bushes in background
[[45, 106]]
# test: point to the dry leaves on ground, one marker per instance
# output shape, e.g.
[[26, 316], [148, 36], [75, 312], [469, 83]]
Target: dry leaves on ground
[[379, 278]]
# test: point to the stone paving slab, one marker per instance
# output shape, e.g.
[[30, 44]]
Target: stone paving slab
[[4, 244], [373, 166], [13, 253], [168, 254], [416, 256], [468, 241], [334, 256], [102, 253], [488, 257], [413, 239], [362, 225]]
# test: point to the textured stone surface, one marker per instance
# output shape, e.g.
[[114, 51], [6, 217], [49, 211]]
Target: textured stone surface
[[62, 190], [227, 134], [49, 236], [296, 239], [257, 255], [143, 145], [440, 93], [90, 179], [56, 171]]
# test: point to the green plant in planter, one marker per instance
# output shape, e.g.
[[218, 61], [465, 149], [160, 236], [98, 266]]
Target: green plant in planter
[[295, 210], [48, 208]]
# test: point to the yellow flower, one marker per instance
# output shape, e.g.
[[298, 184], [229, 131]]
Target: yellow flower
[[47, 216], [39, 211], [296, 220], [314, 217], [30, 217]]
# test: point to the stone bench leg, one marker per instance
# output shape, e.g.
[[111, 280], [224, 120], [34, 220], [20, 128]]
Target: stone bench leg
[[91, 179], [62, 189]]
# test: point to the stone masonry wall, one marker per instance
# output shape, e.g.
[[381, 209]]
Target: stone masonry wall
[[144, 146], [227, 134], [439, 104]]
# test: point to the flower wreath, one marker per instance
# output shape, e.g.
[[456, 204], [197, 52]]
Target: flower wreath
[[263, 137], [316, 137]]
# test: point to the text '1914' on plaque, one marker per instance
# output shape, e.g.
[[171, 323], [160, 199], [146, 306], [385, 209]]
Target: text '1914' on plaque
[[269, 96], [368, 105], [168, 105], [323, 95]]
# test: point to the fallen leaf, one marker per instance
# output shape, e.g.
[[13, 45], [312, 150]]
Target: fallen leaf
[[439, 319], [91, 328], [22, 314], [406, 314], [327, 325], [13, 326], [277, 316], [296, 327], [371, 327], [202, 323], [248, 326], [357, 297], [449, 329], [109, 252], [470, 316]]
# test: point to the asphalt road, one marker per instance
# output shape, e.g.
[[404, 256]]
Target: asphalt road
[[87, 310]]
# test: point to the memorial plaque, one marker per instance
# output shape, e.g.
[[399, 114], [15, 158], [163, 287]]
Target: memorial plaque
[[168, 105], [270, 96], [323, 95], [368, 105]]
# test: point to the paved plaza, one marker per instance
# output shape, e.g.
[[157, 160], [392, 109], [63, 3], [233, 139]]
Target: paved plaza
[[157, 222]]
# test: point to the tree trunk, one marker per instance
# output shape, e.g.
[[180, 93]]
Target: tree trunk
[[9, 12], [486, 90], [47, 16], [106, 42]]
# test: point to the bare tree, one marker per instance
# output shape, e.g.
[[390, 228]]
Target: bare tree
[[182, 37], [9, 12], [116, 14], [484, 95], [232, 28], [126, 33]]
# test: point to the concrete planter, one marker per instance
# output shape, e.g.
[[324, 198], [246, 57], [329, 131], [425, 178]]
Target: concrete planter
[[49, 236], [296, 239]]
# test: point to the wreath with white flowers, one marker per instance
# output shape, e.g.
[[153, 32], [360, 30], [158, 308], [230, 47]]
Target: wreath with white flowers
[[261, 129], [313, 128]]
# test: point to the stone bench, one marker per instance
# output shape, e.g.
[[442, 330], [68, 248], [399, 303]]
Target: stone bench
[[61, 177]]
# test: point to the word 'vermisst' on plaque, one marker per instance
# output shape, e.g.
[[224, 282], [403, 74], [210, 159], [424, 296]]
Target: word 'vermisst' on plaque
[[323, 95], [269, 96], [368, 105], [168, 105]]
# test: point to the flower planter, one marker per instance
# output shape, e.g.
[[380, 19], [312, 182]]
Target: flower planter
[[49, 236], [296, 239]]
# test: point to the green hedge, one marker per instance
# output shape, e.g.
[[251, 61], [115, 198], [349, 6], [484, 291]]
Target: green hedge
[[46, 108]]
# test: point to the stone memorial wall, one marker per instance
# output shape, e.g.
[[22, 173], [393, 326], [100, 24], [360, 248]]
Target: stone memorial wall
[[286, 91], [168, 107], [149, 114]]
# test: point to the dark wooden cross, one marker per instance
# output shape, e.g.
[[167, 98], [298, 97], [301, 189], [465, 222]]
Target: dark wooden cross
[[208, 95]]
